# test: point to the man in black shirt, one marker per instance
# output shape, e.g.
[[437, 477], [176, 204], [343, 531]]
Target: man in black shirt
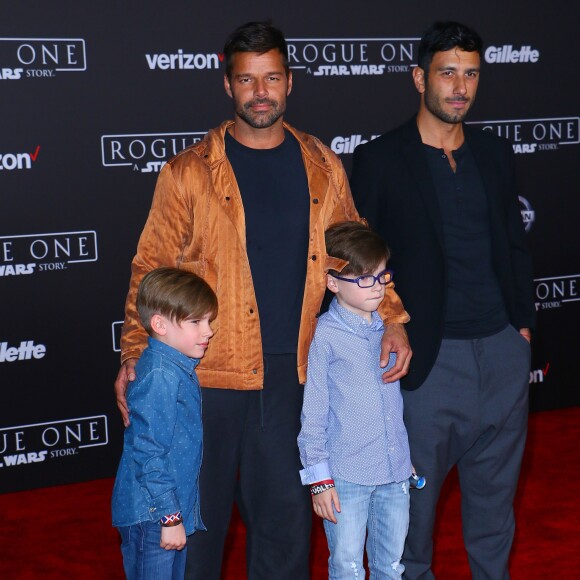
[[443, 196], [246, 209]]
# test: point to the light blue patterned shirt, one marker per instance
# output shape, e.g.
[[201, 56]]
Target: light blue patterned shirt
[[352, 422]]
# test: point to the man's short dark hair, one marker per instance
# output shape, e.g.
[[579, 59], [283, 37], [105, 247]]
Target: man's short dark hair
[[259, 37], [355, 242], [443, 36], [175, 294]]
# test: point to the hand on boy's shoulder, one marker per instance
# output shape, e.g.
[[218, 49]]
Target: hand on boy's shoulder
[[395, 340], [126, 375]]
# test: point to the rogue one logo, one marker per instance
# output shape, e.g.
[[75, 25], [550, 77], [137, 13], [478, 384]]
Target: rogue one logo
[[145, 152], [556, 291], [35, 443], [532, 135], [30, 253], [352, 56], [41, 57]]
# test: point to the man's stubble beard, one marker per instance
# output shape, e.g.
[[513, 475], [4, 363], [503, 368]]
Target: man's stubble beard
[[260, 120]]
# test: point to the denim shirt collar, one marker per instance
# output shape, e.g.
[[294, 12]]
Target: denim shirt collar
[[178, 358], [355, 322]]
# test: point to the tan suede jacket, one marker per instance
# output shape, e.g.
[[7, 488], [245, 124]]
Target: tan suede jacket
[[196, 223]]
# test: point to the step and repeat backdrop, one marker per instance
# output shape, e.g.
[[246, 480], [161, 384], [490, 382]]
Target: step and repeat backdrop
[[96, 97]]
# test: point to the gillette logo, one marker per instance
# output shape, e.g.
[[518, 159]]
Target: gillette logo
[[507, 55], [342, 145]]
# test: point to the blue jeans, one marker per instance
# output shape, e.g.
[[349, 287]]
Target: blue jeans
[[145, 559], [383, 511]]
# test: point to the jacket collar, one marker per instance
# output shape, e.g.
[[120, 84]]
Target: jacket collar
[[212, 148], [316, 163], [414, 154], [176, 357]]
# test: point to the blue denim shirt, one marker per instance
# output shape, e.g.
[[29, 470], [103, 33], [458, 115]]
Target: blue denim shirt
[[159, 469], [352, 422]]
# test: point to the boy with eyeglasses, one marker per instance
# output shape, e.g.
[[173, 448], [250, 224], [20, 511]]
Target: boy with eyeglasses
[[353, 443]]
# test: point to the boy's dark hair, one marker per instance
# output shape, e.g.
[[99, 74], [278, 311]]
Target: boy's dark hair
[[358, 244], [259, 37], [175, 294], [443, 36]]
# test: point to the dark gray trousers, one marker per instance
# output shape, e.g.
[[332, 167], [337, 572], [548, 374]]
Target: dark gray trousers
[[250, 456], [471, 412]]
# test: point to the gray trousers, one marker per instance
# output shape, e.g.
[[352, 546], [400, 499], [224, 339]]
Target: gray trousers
[[471, 412]]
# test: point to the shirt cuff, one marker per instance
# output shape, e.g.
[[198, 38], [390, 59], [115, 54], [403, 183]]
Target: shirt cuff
[[315, 473], [166, 503]]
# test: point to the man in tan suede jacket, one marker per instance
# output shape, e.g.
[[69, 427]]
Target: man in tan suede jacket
[[246, 209]]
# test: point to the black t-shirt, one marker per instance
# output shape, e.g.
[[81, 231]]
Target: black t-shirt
[[475, 305], [276, 200]]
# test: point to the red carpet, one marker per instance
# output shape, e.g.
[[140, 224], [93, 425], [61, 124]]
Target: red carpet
[[64, 532]]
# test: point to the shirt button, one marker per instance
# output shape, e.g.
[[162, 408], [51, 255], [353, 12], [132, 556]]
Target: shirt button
[[313, 257], [443, 156], [315, 200], [152, 509], [255, 371], [251, 311], [227, 198]]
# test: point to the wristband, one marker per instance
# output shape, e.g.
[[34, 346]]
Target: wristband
[[321, 487], [322, 481], [171, 520]]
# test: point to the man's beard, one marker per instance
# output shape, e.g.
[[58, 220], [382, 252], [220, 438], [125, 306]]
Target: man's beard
[[260, 120], [432, 104]]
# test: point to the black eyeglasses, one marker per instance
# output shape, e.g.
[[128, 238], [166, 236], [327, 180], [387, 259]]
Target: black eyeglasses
[[368, 280]]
